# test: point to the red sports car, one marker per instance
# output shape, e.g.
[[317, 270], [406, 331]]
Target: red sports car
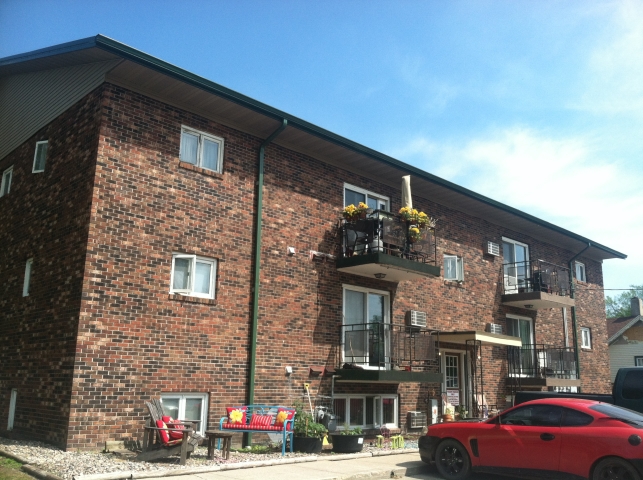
[[563, 438]]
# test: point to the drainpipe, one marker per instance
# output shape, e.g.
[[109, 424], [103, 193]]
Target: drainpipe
[[257, 269], [572, 271]]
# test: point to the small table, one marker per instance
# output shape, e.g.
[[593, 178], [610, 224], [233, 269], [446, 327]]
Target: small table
[[225, 448]]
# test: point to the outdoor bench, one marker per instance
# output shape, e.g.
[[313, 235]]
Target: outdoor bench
[[261, 419]]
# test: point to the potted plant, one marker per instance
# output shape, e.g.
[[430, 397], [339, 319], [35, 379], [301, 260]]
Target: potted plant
[[352, 212], [461, 412], [447, 416], [308, 434], [348, 440]]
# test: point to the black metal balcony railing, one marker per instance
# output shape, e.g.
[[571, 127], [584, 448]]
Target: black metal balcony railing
[[390, 347], [541, 361], [384, 232], [536, 276]]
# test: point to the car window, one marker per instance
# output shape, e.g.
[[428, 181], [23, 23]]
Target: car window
[[618, 412], [533, 415], [574, 418]]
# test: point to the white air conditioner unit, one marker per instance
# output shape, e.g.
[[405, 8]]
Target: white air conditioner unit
[[494, 328], [416, 420], [493, 249], [415, 318]]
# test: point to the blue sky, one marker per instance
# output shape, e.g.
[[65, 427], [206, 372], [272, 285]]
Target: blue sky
[[538, 105]]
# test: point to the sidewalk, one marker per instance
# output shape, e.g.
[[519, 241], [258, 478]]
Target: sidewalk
[[341, 467]]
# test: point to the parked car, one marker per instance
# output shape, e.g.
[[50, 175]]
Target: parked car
[[627, 391], [552, 438]]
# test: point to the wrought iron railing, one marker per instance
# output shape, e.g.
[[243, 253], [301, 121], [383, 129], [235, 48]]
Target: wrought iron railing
[[541, 361], [389, 346], [536, 276], [380, 231]]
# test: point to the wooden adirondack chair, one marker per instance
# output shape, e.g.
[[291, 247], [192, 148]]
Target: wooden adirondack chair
[[157, 443]]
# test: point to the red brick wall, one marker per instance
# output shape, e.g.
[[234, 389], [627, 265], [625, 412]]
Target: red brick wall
[[45, 217], [135, 340]]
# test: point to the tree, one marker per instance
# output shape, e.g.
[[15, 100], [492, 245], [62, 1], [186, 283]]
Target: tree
[[620, 305]]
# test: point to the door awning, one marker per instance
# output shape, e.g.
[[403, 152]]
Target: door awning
[[485, 338]]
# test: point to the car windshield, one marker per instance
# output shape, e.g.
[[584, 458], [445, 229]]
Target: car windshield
[[620, 413]]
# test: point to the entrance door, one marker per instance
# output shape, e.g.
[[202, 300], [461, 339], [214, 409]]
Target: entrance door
[[454, 378], [516, 265], [522, 359]]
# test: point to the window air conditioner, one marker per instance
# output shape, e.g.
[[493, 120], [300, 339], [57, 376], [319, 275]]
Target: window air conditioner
[[415, 318], [493, 249], [494, 328], [416, 420]]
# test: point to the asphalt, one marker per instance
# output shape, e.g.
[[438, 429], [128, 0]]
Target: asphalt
[[341, 467]]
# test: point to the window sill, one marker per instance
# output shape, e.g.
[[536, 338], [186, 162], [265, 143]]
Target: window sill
[[188, 299], [454, 283], [205, 171]]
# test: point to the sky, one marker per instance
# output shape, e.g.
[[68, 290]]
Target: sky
[[535, 104]]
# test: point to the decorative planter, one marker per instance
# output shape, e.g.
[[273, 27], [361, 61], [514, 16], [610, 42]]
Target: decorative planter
[[307, 444], [447, 417], [347, 443]]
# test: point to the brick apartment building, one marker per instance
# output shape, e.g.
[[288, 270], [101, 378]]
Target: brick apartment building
[[165, 236]]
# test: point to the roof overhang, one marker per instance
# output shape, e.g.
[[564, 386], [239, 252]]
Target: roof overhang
[[484, 338], [163, 81], [624, 329]]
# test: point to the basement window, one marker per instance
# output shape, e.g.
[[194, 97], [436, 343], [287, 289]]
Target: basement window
[[186, 406], [40, 156], [366, 411], [201, 149]]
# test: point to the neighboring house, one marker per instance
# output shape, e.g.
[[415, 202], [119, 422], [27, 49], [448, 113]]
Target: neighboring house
[[626, 339], [165, 236]]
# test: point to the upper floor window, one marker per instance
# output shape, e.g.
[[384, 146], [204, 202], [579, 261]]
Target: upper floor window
[[201, 149], [5, 186], [40, 156], [453, 268], [586, 337], [353, 195], [580, 272], [516, 265], [193, 276], [27, 282]]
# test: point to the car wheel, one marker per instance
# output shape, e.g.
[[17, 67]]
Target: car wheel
[[614, 468], [452, 460]]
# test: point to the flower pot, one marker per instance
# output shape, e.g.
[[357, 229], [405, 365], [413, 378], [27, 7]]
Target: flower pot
[[307, 444], [347, 443], [447, 417]]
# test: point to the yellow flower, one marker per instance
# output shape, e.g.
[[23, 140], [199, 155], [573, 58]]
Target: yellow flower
[[236, 416]]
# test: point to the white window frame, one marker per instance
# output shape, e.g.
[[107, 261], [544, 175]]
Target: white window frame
[[585, 337], [369, 195], [531, 344], [35, 156], [581, 272], [376, 411], [638, 361], [386, 320], [7, 176], [459, 268], [12, 408], [202, 426], [27, 282], [189, 291], [512, 283], [199, 157]]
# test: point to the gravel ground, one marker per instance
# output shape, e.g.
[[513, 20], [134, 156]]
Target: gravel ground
[[66, 465]]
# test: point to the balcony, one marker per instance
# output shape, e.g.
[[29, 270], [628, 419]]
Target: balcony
[[541, 366], [388, 353], [536, 284], [379, 246]]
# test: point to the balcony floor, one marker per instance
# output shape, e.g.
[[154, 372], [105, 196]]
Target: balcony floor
[[537, 300], [395, 269], [386, 376]]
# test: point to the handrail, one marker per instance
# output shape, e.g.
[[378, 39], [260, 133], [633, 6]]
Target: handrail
[[541, 361], [536, 276]]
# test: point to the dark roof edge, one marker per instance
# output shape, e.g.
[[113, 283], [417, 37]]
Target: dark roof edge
[[166, 68]]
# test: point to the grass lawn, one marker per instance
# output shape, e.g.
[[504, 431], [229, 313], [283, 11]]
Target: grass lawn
[[10, 470]]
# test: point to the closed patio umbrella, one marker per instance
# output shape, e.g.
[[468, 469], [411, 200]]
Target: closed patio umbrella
[[407, 201]]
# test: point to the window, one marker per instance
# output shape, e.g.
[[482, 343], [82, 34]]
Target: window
[[186, 406], [5, 187], [12, 408], [40, 156], [366, 410], [453, 269], [26, 284], [516, 265], [534, 415], [586, 337], [580, 272], [366, 329], [193, 276], [353, 195], [638, 361], [574, 418], [201, 149]]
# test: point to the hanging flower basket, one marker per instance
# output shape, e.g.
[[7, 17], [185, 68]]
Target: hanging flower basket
[[352, 212]]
